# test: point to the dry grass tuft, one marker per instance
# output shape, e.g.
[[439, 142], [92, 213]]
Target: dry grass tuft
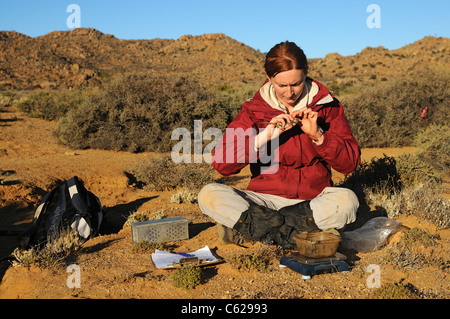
[[57, 250]]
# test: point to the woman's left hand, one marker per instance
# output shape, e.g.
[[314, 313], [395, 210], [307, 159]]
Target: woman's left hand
[[308, 120]]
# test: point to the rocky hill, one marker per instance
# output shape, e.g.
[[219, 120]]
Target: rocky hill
[[379, 63], [87, 57]]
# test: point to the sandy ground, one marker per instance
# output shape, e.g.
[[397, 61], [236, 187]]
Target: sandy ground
[[31, 162]]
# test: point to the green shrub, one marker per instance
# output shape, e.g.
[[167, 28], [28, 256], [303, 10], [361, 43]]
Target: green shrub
[[434, 145], [54, 253], [417, 236], [412, 251], [138, 112], [426, 202], [163, 174], [234, 96], [415, 169], [7, 98], [142, 216], [410, 184], [35, 104], [422, 200], [183, 196], [147, 247], [388, 114], [431, 162], [249, 262], [260, 259], [51, 105], [187, 277], [406, 185], [395, 291], [379, 173]]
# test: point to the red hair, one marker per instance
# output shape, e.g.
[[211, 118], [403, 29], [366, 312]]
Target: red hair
[[285, 56]]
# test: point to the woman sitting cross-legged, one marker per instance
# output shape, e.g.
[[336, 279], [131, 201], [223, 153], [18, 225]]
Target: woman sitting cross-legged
[[291, 133]]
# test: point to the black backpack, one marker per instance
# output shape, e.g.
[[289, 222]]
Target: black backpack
[[67, 205]]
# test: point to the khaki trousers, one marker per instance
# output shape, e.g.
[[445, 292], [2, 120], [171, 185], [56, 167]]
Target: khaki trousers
[[335, 207]]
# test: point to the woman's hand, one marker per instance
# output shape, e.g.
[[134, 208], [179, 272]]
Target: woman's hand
[[280, 121], [308, 121], [276, 126]]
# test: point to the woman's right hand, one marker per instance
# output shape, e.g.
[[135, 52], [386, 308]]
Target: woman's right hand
[[272, 131], [283, 119]]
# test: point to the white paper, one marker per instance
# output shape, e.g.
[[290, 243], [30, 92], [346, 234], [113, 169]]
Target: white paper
[[164, 259]]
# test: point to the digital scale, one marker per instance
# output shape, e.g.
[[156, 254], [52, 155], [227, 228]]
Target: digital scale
[[314, 266]]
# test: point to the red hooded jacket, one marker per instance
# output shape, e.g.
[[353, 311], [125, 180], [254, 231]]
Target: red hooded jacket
[[295, 167]]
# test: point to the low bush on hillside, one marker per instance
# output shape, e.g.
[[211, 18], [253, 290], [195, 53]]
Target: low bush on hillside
[[51, 105], [410, 183], [163, 174], [422, 200], [7, 98], [431, 161], [138, 112], [388, 114], [406, 185], [434, 146]]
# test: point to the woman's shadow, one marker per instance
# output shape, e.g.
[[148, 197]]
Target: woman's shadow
[[116, 216]]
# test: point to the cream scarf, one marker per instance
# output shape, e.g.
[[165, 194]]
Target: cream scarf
[[267, 92]]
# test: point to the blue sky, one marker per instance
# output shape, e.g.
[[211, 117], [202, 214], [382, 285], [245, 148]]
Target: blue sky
[[319, 27]]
